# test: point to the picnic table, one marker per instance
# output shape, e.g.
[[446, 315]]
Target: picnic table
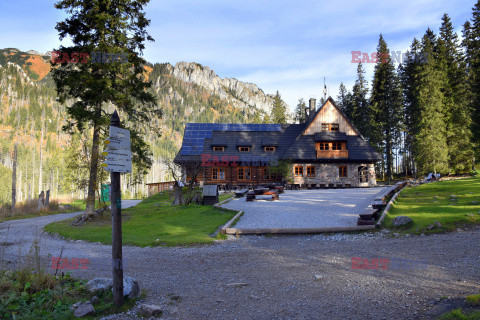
[[251, 195]]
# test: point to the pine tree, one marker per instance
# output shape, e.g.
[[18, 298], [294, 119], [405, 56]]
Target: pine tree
[[471, 35], [299, 113], [386, 107], [408, 72], [105, 27], [342, 101], [279, 110], [431, 139], [360, 111], [456, 110]]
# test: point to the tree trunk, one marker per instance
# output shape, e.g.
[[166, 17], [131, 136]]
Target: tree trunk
[[47, 199], [14, 179], [40, 171], [178, 194], [92, 181], [41, 201]]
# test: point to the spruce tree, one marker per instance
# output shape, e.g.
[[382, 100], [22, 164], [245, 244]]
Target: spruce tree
[[456, 110], [471, 35], [299, 112], [105, 27], [408, 72], [431, 139], [342, 97], [360, 112], [386, 107], [279, 110]]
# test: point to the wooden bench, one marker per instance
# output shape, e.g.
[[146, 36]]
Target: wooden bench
[[273, 193], [362, 222], [378, 203], [252, 195], [280, 189], [260, 191], [241, 193], [369, 214]]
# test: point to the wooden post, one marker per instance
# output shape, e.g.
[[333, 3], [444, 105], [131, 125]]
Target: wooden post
[[116, 208]]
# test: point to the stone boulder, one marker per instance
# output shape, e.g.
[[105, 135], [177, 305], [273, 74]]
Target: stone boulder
[[99, 284], [83, 309], [402, 221], [150, 310], [131, 289]]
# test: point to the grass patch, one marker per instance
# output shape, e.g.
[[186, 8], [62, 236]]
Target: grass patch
[[474, 299], [153, 222], [224, 196], [453, 203], [459, 314], [39, 295]]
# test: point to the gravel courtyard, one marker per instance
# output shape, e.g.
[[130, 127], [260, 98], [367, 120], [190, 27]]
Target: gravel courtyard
[[305, 208]]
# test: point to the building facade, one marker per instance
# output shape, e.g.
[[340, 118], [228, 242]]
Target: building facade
[[324, 150]]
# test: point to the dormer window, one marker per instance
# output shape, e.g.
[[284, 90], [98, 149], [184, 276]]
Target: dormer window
[[244, 149], [269, 149], [336, 146], [218, 148], [323, 146], [330, 127]]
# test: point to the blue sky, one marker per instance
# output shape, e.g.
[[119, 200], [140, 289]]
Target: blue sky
[[282, 45]]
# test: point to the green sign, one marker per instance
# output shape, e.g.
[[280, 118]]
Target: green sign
[[105, 193]]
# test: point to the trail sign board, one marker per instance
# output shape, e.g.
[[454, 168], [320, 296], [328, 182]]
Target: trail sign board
[[118, 156]]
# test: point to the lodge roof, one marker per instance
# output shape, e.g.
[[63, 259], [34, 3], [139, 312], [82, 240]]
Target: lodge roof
[[289, 140]]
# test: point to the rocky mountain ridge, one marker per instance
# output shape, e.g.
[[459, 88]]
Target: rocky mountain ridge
[[237, 93]]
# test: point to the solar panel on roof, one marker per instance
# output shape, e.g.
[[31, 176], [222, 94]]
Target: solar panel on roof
[[196, 133]]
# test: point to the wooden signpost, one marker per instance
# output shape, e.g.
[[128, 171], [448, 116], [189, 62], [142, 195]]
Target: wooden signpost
[[118, 159]]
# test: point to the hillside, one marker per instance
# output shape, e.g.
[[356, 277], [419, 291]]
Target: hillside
[[30, 116]]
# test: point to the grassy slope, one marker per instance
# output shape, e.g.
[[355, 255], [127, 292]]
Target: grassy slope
[[434, 202], [26, 212], [152, 219]]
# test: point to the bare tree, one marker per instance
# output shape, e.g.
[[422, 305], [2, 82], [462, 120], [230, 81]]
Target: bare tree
[[191, 170], [14, 179]]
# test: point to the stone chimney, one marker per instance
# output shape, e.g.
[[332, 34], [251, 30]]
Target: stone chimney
[[312, 105], [307, 113]]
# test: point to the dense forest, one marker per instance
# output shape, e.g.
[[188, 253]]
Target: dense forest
[[424, 115]]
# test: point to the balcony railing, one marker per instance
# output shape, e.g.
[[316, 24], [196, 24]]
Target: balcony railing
[[332, 153]]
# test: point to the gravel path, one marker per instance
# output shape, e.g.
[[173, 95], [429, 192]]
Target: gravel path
[[278, 274], [305, 208]]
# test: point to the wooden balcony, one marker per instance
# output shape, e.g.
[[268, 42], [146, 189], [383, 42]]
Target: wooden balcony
[[332, 153]]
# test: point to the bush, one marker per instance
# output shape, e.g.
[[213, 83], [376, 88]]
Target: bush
[[29, 208]]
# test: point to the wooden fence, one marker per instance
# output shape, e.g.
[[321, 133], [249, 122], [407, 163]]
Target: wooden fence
[[157, 187]]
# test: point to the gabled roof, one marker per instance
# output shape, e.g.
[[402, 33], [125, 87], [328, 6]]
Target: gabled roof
[[311, 119]]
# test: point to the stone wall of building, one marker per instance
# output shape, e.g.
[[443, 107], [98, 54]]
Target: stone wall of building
[[328, 173]]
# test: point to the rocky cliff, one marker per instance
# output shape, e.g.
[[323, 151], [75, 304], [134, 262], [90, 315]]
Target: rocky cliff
[[238, 93]]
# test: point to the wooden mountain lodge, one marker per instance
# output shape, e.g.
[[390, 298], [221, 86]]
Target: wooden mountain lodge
[[325, 150]]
